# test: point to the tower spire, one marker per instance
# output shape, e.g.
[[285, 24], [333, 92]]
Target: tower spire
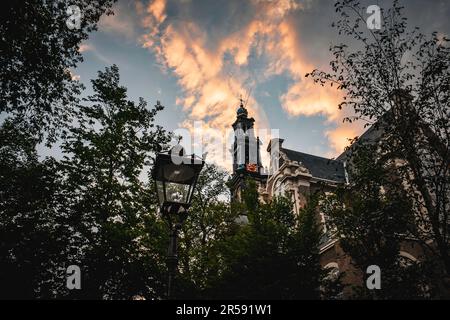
[[242, 111], [246, 156]]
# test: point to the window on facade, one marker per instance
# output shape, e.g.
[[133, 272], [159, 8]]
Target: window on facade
[[323, 216], [323, 222], [332, 290], [279, 189], [406, 259]]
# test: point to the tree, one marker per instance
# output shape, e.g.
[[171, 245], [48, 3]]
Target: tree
[[273, 256], [38, 50], [118, 241], [371, 217], [400, 79], [33, 224], [209, 222]]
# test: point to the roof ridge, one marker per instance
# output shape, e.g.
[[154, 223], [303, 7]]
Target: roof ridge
[[311, 155]]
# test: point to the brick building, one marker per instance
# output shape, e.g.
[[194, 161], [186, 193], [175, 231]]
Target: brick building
[[297, 175]]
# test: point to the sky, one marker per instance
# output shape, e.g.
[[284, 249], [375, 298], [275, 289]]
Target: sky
[[199, 57]]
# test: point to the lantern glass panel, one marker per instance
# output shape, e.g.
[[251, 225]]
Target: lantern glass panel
[[179, 173], [160, 189], [176, 192]]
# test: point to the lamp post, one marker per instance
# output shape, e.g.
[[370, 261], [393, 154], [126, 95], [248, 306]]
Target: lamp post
[[175, 176]]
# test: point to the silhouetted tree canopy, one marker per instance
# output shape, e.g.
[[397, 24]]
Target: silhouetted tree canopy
[[398, 79], [38, 52], [96, 207]]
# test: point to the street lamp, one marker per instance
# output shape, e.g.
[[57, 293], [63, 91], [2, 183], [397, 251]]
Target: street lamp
[[175, 176]]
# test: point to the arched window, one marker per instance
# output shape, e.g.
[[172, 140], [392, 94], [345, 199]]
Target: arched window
[[407, 259], [278, 189], [332, 289], [323, 221], [323, 215], [333, 270]]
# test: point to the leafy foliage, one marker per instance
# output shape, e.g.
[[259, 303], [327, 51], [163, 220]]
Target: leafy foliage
[[400, 79], [38, 50], [209, 222], [106, 153], [371, 217], [273, 256], [32, 222]]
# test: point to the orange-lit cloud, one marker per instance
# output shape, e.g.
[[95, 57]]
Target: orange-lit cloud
[[339, 138], [213, 70]]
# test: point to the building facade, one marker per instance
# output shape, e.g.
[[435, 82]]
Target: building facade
[[298, 175]]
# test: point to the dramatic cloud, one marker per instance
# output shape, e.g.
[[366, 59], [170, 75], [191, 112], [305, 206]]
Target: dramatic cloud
[[340, 137], [214, 59]]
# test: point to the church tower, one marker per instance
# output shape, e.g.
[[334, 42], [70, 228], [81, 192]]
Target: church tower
[[246, 154]]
